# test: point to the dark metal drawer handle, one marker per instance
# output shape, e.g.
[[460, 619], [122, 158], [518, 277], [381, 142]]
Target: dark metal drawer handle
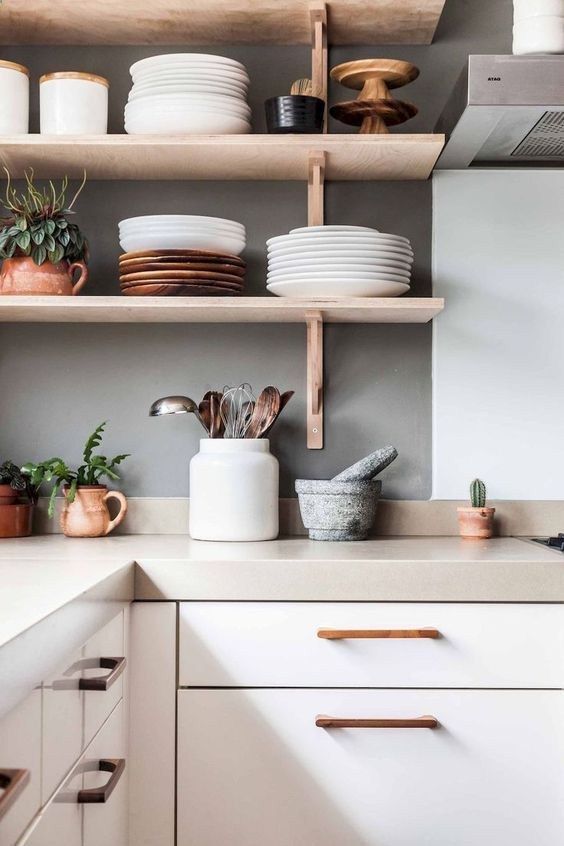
[[116, 665], [427, 722], [115, 766], [12, 782], [347, 634]]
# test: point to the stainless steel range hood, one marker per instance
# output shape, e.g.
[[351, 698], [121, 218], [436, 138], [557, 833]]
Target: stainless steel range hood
[[505, 110]]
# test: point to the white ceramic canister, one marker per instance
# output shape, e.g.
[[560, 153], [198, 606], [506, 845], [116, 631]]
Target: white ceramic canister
[[234, 491], [73, 103], [14, 99]]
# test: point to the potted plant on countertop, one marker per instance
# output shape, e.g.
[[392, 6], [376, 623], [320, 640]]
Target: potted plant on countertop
[[85, 512], [40, 248], [476, 520], [18, 495]]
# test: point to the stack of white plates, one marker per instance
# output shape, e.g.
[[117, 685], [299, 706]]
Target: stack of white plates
[[339, 261], [182, 232], [188, 94]]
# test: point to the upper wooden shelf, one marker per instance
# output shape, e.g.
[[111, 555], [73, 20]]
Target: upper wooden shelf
[[222, 157], [214, 21], [216, 309]]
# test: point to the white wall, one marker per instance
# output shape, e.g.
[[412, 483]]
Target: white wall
[[498, 358]]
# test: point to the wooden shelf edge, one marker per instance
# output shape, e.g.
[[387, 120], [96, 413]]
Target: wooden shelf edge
[[223, 157], [116, 309]]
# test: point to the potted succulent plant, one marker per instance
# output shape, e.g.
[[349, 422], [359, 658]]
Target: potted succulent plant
[[40, 248], [17, 498], [85, 512], [476, 520]]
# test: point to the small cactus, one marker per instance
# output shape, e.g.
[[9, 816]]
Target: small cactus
[[478, 494]]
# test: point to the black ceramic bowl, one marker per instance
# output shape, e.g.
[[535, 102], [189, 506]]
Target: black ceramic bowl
[[294, 113]]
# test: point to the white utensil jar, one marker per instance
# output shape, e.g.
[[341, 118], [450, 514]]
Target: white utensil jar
[[72, 103], [234, 491], [538, 27], [14, 97]]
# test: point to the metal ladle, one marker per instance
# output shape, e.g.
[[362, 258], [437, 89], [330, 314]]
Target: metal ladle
[[176, 405]]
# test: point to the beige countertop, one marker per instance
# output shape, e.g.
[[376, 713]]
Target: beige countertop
[[41, 574]]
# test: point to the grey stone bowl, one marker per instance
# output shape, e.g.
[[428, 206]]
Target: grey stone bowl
[[338, 511]]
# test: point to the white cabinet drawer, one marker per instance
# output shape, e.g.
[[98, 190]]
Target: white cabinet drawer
[[60, 822], [276, 644], [253, 768], [105, 767], [73, 714], [20, 749]]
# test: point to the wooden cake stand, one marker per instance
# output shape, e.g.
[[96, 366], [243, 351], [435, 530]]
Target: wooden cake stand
[[375, 109]]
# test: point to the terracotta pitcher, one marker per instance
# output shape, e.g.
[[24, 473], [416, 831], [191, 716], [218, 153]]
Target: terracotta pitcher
[[88, 515], [22, 276]]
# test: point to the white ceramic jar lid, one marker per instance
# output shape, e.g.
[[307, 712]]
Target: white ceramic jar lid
[[14, 66]]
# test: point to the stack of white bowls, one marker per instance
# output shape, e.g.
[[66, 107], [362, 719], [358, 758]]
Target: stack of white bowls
[[188, 94], [339, 261], [538, 26], [182, 232]]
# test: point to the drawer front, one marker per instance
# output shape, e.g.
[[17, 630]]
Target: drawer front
[[105, 822], [108, 643], [20, 749], [253, 767], [276, 644], [60, 823], [71, 714]]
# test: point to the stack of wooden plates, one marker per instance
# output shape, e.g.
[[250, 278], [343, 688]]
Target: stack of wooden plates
[[181, 273]]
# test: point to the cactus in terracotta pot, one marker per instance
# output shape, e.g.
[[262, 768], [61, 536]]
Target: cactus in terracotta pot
[[476, 521]]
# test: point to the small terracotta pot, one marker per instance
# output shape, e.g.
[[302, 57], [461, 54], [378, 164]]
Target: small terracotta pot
[[475, 522], [8, 496], [16, 520], [88, 515], [21, 276]]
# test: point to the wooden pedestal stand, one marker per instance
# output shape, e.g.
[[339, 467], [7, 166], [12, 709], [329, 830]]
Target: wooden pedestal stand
[[375, 109]]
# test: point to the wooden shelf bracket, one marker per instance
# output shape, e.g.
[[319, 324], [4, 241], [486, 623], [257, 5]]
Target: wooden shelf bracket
[[319, 69], [314, 321], [316, 189]]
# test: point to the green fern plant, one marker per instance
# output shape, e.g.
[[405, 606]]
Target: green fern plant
[[478, 494], [38, 225], [94, 468]]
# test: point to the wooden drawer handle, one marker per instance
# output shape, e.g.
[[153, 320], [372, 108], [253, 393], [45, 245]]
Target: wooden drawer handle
[[12, 782], [427, 722], [115, 766], [349, 634], [116, 665]]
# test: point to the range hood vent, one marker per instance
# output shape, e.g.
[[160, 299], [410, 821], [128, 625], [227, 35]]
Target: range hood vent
[[545, 140], [505, 110]]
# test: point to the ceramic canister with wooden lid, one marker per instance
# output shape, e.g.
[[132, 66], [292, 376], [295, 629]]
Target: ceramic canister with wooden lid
[[14, 96], [73, 103]]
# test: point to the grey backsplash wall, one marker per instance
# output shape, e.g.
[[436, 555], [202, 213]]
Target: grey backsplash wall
[[58, 381]]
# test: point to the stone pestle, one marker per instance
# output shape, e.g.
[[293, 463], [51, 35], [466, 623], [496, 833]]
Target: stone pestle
[[368, 467]]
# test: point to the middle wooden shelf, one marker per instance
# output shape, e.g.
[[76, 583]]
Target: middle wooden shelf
[[399, 156]]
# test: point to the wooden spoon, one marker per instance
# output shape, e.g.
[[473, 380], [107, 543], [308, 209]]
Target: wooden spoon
[[284, 400], [205, 412], [265, 412], [217, 428]]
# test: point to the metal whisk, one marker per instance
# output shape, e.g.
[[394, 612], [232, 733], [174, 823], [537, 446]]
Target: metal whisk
[[236, 409]]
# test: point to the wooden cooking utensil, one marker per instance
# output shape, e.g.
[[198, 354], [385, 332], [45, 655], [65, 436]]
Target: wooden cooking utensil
[[284, 400], [265, 412], [302, 87], [375, 109], [204, 407]]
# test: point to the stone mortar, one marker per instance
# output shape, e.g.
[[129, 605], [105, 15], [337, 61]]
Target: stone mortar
[[338, 511]]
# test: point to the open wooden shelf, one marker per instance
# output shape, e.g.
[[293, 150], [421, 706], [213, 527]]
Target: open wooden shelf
[[214, 21], [216, 309], [222, 157]]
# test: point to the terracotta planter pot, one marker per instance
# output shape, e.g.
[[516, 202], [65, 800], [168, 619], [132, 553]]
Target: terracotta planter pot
[[475, 522], [88, 515], [8, 496], [16, 520], [22, 277]]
